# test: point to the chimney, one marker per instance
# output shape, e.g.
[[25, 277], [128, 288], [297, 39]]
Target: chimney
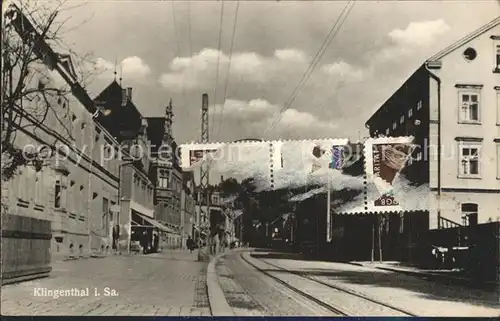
[[129, 93]]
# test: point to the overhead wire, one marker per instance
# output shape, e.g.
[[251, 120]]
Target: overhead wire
[[211, 128], [330, 36], [228, 73], [340, 26]]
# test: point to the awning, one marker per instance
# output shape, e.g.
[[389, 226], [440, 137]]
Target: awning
[[153, 223]]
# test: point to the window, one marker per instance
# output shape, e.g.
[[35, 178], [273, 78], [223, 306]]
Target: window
[[105, 213], [83, 132], [497, 57], [469, 107], [419, 105], [163, 179], [402, 119], [111, 213], [469, 214], [498, 159], [469, 161], [97, 134], [57, 194], [410, 113], [394, 125], [38, 188], [72, 198], [83, 201], [470, 54], [498, 104]]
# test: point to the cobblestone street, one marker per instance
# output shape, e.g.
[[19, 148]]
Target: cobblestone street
[[249, 292], [172, 283]]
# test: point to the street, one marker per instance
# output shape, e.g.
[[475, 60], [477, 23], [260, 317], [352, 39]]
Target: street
[[296, 287], [252, 283], [167, 284]]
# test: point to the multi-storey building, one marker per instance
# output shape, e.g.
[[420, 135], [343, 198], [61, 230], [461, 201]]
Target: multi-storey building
[[166, 175], [73, 188], [125, 122], [451, 104], [188, 207]]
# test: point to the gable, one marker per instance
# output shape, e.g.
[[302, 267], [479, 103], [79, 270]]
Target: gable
[[465, 40]]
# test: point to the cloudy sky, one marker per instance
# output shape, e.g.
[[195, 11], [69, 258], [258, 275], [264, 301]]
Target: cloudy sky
[[170, 50]]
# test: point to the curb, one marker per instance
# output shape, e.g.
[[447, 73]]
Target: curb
[[435, 276], [216, 298], [444, 278]]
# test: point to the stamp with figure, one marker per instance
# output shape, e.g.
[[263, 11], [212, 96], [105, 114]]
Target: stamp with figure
[[388, 188], [313, 168]]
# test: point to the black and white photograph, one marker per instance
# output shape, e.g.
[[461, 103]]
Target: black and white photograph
[[267, 158]]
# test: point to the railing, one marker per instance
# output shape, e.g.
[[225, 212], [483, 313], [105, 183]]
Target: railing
[[447, 223]]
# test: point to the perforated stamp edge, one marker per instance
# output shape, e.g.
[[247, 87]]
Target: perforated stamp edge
[[209, 148], [370, 176]]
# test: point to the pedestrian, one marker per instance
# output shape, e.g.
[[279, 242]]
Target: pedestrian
[[144, 242], [156, 242], [190, 244]]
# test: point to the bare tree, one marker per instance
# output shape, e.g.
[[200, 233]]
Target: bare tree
[[30, 31]]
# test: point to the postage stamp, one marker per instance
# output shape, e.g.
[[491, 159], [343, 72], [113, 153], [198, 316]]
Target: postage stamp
[[238, 160], [387, 188], [313, 167]]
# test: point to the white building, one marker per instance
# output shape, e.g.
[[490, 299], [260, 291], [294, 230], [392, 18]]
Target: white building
[[455, 96]]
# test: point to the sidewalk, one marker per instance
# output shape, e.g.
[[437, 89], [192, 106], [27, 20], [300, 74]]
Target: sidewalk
[[447, 276], [421, 297], [172, 283]]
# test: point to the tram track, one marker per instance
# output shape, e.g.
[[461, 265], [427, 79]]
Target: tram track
[[331, 307]]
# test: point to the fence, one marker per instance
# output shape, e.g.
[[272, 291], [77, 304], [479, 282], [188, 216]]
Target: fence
[[482, 260], [25, 251]]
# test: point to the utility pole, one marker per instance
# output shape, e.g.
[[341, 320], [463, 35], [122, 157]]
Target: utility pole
[[205, 167]]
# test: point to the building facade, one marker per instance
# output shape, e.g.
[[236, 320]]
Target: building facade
[[136, 218], [451, 104], [72, 187], [188, 207], [166, 176]]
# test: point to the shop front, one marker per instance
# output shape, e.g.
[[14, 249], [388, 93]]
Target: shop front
[[146, 233]]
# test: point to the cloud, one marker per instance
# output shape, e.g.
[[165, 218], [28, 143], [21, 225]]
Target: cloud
[[259, 115], [291, 55], [422, 33], [132, 68], [343, 69], [286, 65], [416, 39]]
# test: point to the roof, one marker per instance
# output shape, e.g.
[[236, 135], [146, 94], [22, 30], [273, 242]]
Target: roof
[[122, 119], [156, 130], [490, 25], [378, 111]]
